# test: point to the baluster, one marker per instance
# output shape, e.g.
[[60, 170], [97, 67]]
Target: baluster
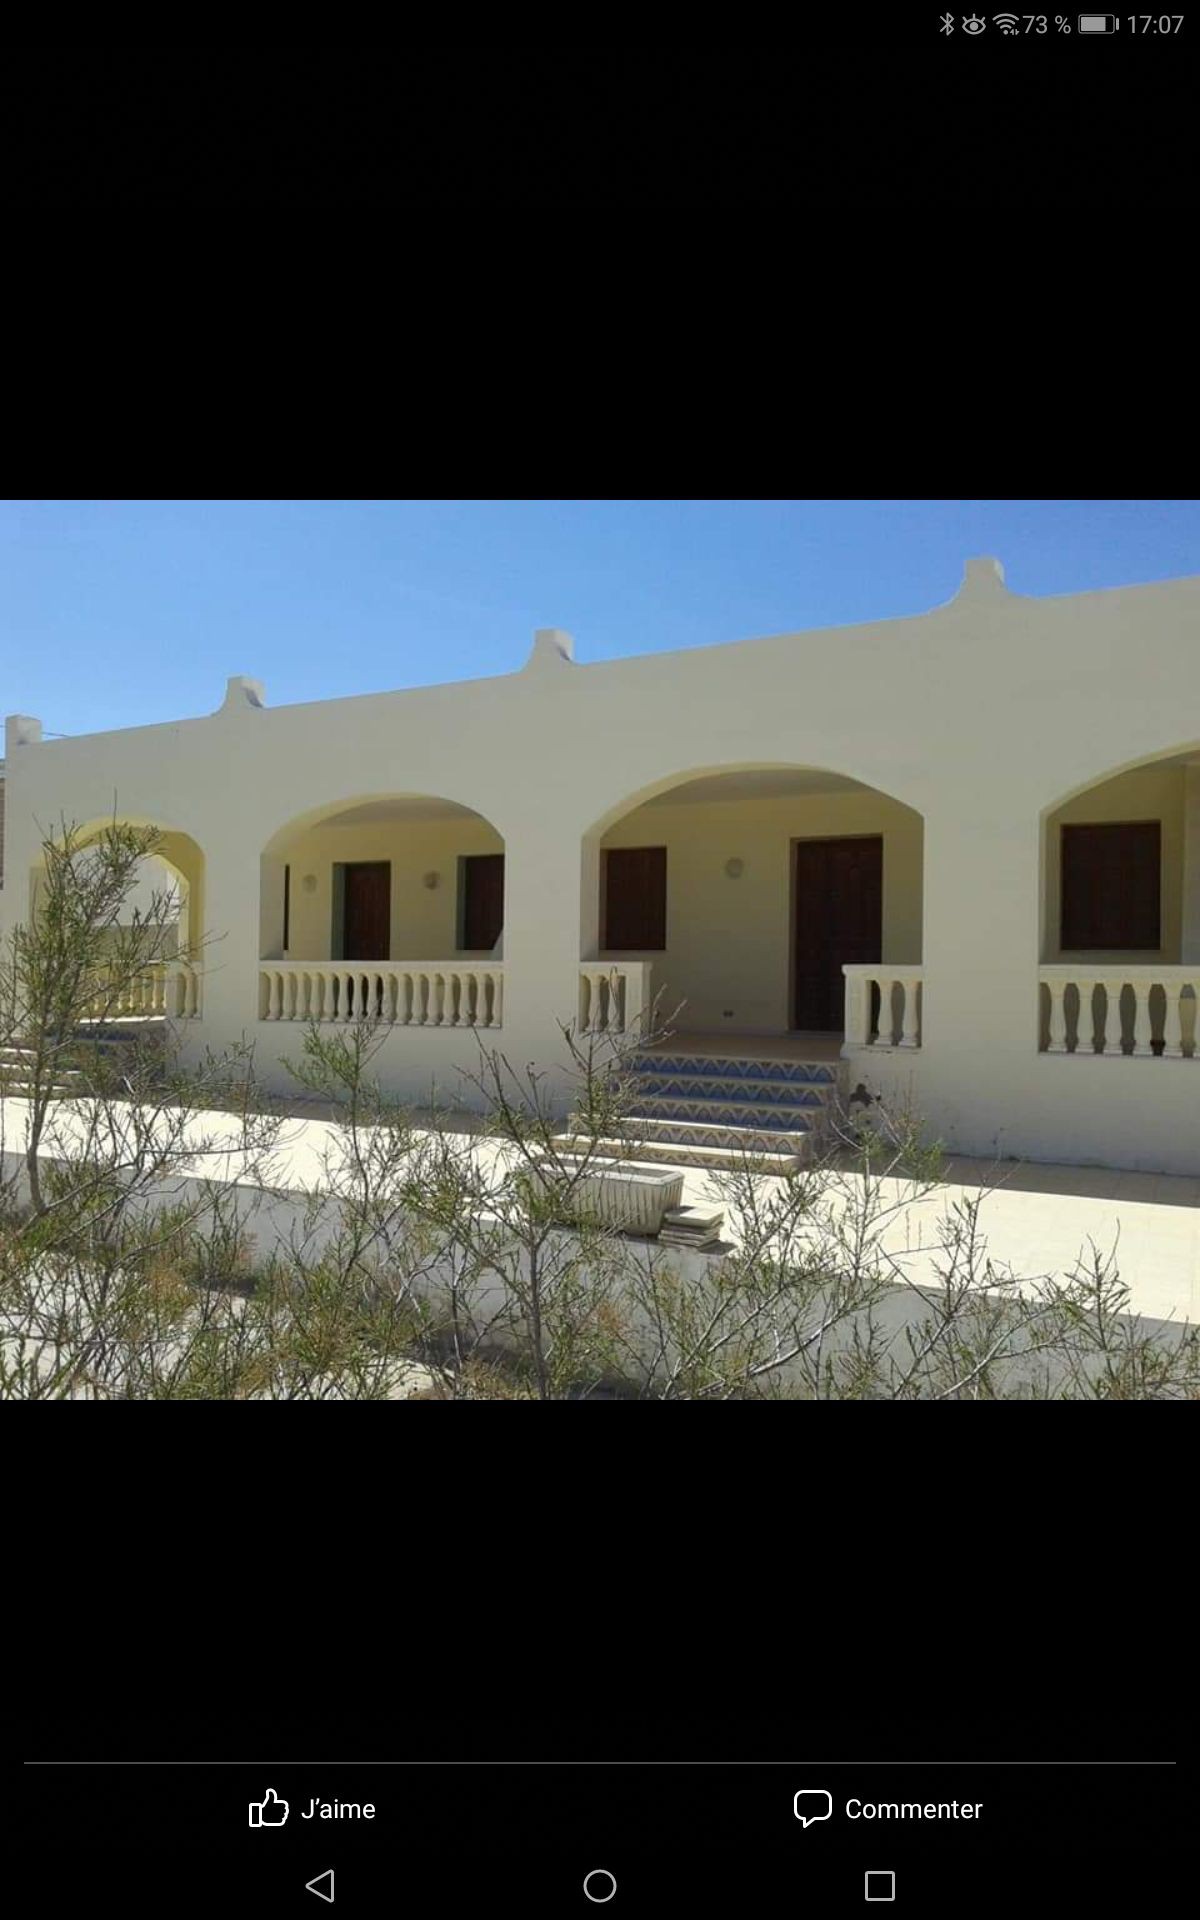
[[1110, 1017], [498, 1005], [860, 994], [884, 1036], [619, 987], [908, 1013], [1085, 1024], [1141, 1017], [275, 995], [1173, 1021], [459, 1000], [1058, 1016]]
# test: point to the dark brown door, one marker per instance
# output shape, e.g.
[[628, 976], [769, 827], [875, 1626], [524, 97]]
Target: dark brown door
[[482, 901], [838, 920], [367, 910], [1110, 886], [635, 900]]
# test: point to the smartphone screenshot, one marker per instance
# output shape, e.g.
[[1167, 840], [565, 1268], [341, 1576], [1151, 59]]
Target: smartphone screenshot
[[810, 1835]]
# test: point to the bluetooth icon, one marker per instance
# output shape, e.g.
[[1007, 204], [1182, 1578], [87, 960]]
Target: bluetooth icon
[[947, 23]]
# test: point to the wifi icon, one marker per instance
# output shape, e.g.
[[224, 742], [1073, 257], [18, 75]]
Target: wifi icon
[[1007, 22]]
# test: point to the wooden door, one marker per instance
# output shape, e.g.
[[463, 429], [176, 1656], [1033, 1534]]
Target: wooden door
[[482, 901], [367, 910], [635, 900], [837, 920]]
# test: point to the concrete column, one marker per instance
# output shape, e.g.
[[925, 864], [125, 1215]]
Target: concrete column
[[1190, 946], [980, 1027], [22, 840], [550, 918], [231, 938]]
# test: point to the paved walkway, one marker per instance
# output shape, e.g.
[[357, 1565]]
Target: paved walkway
[[1036, 1219]]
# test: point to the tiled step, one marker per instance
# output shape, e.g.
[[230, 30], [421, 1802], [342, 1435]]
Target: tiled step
[[709, 1133], [744, 1097], [675, 1155], [729, 1068]]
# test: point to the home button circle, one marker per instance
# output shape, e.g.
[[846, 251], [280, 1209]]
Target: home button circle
[[599, 1885]]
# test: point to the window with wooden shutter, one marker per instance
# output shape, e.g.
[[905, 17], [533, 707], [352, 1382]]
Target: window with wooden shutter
[[1111, 887], [482, 897], [635, 900]]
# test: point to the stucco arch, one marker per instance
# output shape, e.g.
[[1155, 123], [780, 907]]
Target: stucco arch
[[737, 897], [327, 811], [424, 839], [178, 850], [640, 795], [1161, 787], [1188, 750]]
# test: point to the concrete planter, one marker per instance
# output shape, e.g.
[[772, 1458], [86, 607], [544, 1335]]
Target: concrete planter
[[635, 1199]]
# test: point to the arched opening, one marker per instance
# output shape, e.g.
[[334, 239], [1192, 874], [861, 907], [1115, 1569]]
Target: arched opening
[[390, 905], [1120, 912], [166, 895], [745, 893]]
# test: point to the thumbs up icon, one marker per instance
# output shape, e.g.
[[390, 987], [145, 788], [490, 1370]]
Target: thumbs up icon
[[270, 1811]]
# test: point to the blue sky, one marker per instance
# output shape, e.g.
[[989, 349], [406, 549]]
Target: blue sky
[[115, 613]]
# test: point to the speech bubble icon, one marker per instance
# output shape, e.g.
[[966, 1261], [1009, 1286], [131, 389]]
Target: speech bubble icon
[[818, 1805]]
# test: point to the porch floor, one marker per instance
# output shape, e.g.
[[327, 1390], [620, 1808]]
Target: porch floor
[[753, 1046]]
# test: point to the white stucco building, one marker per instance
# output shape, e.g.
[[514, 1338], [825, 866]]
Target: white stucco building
[[984, 820]]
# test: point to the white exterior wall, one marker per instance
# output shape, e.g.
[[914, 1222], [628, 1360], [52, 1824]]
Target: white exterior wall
[[985, 716]]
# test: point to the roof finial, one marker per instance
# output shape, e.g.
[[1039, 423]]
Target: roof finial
[[983, 577], [551, 647]]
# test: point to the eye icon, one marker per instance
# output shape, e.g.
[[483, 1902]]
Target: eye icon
[[974, 23]]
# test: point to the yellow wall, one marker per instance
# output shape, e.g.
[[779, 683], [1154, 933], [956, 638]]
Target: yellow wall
[[424, 921], [729, 941], [1149, 793]]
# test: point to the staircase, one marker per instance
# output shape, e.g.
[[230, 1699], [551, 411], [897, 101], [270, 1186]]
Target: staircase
[[115, 1045], [15, 1063], [720, 1111]]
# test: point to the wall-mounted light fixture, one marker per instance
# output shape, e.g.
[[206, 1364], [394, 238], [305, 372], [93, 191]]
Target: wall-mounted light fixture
[[735, 868], [431, 880]]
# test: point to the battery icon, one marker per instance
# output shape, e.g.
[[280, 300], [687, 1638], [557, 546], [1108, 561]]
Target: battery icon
[[1097, 23]]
